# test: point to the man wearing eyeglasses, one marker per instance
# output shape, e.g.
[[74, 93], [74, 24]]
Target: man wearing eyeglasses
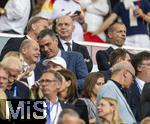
[[50, 82], [122, 77], [141, 63]]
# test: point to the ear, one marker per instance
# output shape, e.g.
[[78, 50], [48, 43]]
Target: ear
[[139, 68], [24, 50], [33, 26], [68, 83], [112, 108], [58, 85], [73, 28], [109, 35], [125, 73]]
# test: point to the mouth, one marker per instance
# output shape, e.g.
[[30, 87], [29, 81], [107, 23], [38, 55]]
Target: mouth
[[100, 110]]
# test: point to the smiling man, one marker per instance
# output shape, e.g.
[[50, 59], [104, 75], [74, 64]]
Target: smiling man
[[30, 51]]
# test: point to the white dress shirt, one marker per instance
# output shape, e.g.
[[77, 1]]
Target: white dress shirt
[[63, 42], [140, 84], [55, 110], [31, 78]]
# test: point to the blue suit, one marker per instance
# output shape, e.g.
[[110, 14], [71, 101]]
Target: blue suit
[[135, 98], [75, 63], [112, 91]]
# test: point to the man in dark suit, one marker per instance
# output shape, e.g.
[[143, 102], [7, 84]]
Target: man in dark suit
[[64, 29], [34, 26], [145, 100], [48, 43], [116, 36], [141, 63]]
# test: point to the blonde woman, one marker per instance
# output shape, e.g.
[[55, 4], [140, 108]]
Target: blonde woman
[[108, 111]]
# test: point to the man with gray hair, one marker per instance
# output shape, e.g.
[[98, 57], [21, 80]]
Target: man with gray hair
[[30, 52], [122, 77], [50, 82]]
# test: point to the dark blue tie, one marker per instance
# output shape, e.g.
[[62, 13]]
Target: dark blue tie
[[68, 45], [48, 113]]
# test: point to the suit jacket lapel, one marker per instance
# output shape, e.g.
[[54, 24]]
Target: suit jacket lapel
[[74, 46], [65, 56], [60, 44]]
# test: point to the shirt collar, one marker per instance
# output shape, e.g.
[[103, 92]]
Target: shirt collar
[[63, 41], [140, 83]]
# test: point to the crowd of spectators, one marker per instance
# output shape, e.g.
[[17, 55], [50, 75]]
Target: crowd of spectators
[[48, 64]]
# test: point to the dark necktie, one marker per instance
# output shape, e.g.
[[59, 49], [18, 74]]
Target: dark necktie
[[68, 45]]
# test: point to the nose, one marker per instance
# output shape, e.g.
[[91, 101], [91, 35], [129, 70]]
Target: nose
[[46, 48], [124, 34]]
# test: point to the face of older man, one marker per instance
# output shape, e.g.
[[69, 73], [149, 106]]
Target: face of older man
[[49, 84], [65, 27], [13, 75], [118, 34], [31, 53], [3, 79]]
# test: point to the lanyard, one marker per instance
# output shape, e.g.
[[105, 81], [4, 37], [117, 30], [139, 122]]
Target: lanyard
[[49, 109], [15, 91]]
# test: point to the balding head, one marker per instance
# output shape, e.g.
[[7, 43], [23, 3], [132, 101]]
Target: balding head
[[124, 65], [65, 27], [124, 73], [30, 51]]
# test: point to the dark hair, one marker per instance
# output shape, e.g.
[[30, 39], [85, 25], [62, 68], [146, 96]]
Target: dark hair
[[139, 58], [116, 54], [111, 27], [34, 20], [45, 32], [90, 82], [72, 89]]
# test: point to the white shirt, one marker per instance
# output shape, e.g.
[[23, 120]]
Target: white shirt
[[17, 15], [31, 78], [64, 45], [140, 84], [55, 110]]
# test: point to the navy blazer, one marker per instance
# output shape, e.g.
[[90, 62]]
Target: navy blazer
[[75, 63], [135, 100], [83, 50], [102, 58], [13, 44], [22, 91], [145, 101]]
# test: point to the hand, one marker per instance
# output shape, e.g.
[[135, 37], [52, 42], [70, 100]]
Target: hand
[[26, 73], [139, 12], [2, 11], [96, 32]]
